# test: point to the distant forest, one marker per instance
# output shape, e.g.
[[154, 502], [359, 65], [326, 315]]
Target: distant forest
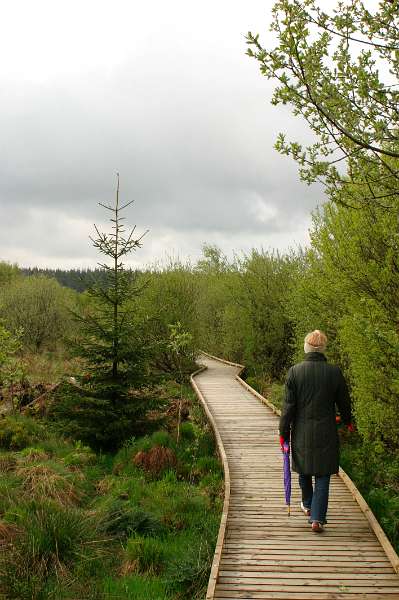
[[76, 279]]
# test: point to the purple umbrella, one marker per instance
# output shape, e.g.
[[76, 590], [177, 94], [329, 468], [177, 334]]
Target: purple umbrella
[[287, 475]]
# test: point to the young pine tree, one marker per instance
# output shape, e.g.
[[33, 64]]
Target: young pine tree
[[109, 341], [106, 410]]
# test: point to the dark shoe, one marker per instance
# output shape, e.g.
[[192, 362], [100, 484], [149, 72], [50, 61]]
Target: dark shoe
[[317, 527]]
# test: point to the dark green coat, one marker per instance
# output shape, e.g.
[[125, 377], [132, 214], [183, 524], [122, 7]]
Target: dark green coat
[[313, 389]]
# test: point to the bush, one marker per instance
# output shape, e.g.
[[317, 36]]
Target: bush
[[49, 481], [135, 587], [7, 463], [161, 438], [376, 474], [50, 539], [147, 554], [80, 456], [206, 444], [121, 518], [213, 485], [32, 454], [9, 491], [102, 422], [208, 464], [276, 394], [40, 307], [190, 572], [187, 431], [156, 461], [19, 432]]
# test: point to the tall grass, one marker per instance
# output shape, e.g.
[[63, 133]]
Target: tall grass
[[74, 524]]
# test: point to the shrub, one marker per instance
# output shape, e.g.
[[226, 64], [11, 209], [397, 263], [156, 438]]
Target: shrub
[[51, 538], [81, 456], [9, 490], [190, 572], [208, 464], [32, 454], [48, 481], [135, 587], [146, 554], [123, 519], [7, 463], [102, 421], [213, 486], [276, 394], [40, 306], [206, 444], [19, 432], [162, 438], [156, 461], [187, 431]]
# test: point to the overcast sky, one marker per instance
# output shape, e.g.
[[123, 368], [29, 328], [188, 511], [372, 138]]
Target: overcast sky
[[161, 92]]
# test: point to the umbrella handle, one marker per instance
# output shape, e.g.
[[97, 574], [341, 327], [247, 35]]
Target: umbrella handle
[[289, 510]]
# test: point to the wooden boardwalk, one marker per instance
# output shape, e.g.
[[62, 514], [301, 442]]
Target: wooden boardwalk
[[263, 553]]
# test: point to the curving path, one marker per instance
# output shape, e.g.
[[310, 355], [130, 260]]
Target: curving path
[[263, 553]]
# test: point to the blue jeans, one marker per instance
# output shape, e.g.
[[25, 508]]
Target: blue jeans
[[316, 500]]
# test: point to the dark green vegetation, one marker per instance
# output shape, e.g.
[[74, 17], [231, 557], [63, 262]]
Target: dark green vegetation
[[76, 279], [141, 523]]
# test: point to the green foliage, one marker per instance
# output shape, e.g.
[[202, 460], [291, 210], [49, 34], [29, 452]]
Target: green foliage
[[107, 337], [208, 464], [187, 431], [11, 366], [215, 276], [19, 432], [39, 308], [136, 587], [148, 554], [49, 539], [191, 571], [103, 421], [276, 394], [124, 519], [8, 273], [335, 69], [350, 288], [167, 305], [376, 473], [240, 311], [80, 456]]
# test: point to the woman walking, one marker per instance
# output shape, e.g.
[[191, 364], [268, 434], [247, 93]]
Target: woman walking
[[313, 390]]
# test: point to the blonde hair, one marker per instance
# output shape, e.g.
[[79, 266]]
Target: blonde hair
[[315, 341]]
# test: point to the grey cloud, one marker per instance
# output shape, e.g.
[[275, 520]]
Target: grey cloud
[[191, 134]]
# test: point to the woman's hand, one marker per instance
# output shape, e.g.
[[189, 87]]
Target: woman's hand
[[284, 444]]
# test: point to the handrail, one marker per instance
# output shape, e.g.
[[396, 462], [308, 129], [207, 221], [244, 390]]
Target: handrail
[[223, 522]]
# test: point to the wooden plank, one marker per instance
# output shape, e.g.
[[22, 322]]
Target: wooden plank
[[334, 577], [302, 595], [314, 586]]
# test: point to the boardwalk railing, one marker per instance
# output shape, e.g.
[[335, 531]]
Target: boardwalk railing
[[260, 552]]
